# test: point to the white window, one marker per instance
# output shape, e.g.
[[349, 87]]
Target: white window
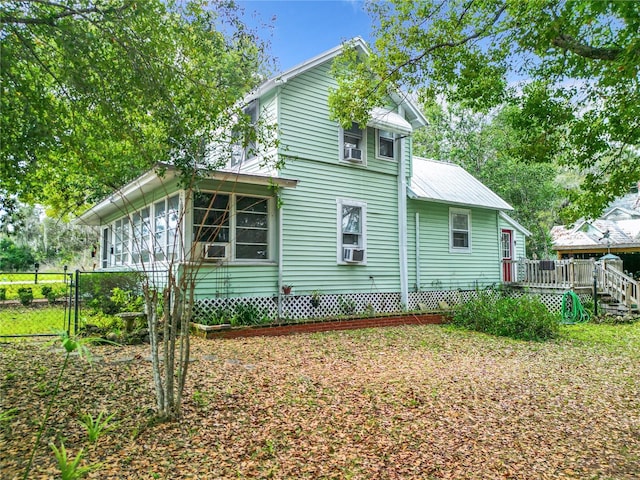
[[353, 144], [385, 144], [141, 236], [459, 230], [149, 234], [165, 225], [121, 242], [245, 146], [237, 222], [352, 232]]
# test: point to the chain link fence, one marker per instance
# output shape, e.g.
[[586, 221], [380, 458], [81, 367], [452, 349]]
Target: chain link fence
[[35, 304]]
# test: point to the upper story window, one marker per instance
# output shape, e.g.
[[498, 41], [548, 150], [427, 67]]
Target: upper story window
[[385, 144], [352, 231], [245, 146], [459, 230], [353, 144], [229, 226]]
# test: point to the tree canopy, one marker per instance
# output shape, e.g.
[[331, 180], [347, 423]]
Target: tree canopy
[[94, 93], [586, 53]]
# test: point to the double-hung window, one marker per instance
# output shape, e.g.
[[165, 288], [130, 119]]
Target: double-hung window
[[459, 230], [245, 145], [385, 145], [231, 226], [353, 144], [352, 231]]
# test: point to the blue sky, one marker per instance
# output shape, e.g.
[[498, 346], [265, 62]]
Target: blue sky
[[304, 28]]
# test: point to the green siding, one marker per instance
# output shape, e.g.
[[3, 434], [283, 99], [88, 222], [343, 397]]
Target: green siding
[[306, 131], [439, 268], [237, 281], [310, 229]]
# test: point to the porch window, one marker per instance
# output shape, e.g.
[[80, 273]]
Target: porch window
[[352, 231], [165, 226], [141, 236], [353, 143], [121, 242], [238, 225], [459, 230]]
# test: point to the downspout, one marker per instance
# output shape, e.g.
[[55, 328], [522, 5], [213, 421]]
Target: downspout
[[280, 208], [280, 260], [402, 226], [418, 280]]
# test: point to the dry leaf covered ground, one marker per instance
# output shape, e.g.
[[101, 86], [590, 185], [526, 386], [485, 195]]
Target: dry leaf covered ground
[[412, 402]]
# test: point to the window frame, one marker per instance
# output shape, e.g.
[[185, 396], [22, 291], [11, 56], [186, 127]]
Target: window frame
[[362, 146], [452, 247], [248, 153], [362, 244], [393, 138], [233, 226]]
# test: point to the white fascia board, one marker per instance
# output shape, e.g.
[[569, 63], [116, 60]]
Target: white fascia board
[[515, 224]]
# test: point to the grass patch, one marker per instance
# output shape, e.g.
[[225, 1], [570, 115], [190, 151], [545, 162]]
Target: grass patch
[[29, 321], [625, 337]]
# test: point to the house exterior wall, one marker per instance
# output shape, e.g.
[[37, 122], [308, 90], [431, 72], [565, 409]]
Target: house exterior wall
[[439, 269], [310, 142]]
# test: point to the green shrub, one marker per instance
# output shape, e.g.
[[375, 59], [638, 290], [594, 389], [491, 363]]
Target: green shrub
[[25, 294], [240, 314], [96, 289], [127, 301], [524, 318], [3, 294]]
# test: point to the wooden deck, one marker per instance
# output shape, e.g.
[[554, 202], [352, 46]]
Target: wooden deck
[[576, 275]]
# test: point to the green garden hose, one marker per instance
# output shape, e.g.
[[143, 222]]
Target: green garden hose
[[572, 309]]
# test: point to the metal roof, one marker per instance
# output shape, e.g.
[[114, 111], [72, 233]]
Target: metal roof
[[449, 183]]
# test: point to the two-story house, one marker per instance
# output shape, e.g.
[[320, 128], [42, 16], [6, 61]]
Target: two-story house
[[353, 214]]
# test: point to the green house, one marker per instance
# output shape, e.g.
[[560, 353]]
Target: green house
[[353, 216]]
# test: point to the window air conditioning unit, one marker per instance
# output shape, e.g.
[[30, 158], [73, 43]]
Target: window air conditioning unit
[[215, 251], [352, 255], [353, 154]]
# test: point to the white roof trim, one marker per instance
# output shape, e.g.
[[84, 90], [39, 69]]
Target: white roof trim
[[149, 181], [515, 224], [385, 119]]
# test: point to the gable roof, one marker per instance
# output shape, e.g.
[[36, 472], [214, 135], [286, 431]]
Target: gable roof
[[450, 183], [416, 115]]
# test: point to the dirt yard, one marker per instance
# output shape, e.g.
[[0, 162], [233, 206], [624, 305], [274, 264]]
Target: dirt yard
[[414, 402]]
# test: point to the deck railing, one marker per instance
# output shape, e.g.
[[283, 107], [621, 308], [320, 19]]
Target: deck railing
[[560, 274], [620, 286], [570, 274]]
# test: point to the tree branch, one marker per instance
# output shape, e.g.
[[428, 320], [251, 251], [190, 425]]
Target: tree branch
[[571, 44], [52, 18]]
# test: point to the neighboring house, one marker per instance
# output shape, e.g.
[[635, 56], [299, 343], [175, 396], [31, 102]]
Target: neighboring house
[[616, 232], [352, 214]]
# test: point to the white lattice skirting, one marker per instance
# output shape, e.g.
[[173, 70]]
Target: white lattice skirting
[[296, 307]]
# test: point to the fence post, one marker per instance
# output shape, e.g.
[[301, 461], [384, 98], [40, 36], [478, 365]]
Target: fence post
[[77, 303], [595, 289]]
